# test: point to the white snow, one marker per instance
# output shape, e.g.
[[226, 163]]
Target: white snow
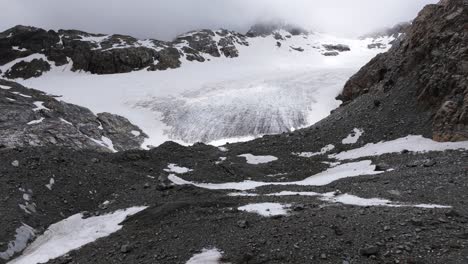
[[174, 168], [105, 142], [66, 122], [40, 106], [18, 48], [349, 199], [50, 184], [20, 94], [218, 100], [353, 137], [221, 160], [72, 233], [35, 122], [321, 179], [358, 201], [5, 87], [223, 149], [207, 256], [135, 133], [411, 143], [255, 160], [266, 209], [323, 151]]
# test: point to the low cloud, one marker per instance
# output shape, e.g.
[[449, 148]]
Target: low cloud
[[164, 19]]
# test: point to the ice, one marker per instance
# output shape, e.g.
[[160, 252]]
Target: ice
[[323, 151], [347, 170], [177, 169], [72, 233], [35, 122], [411, 143], [255, 160], [207, 256], [23, 235], [353, 137], [266, 209], [40, 106]]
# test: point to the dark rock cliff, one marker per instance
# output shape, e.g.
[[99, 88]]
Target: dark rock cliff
[[432, 61]]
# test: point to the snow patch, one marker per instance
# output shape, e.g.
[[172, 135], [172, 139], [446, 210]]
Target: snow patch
[[323, 151], [66, 122], [255, 160], [207, 256], [40, 106], [5, 87], [50, 184], [135, 133], [349, 199], [347, 170], [20, 94], [72, 233], [35, 122], [266, 209], [410, 143], [174, 168], [353, 137]]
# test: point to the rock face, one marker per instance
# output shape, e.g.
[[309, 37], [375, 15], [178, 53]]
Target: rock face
[[26, 70], [337, 47], [265, 29], [32, 118], [108, 54], [432, 62]]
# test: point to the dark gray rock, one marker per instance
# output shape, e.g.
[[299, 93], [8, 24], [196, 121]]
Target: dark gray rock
[[23, 124], [26, 70], [336, 47]]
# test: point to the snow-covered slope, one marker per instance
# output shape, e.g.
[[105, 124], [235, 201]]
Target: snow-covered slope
[[278, 83]]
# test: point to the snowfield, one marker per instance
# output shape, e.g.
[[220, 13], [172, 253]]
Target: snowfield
[[72, 233], [266, 90]]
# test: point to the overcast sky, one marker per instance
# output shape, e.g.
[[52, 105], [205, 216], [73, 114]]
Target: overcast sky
[[164, 19]]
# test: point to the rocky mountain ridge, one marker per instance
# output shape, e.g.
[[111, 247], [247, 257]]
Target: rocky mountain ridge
[[433, 60], [108, 54]]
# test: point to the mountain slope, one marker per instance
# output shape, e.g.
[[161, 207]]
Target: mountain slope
[[30, 118], [432, 62], [364, 185], [225, 86]]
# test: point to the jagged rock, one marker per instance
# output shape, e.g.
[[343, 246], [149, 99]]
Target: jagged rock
[[336, 47], [26, 70], [377, 46], [266, 29], [23, 123], [123, 134], [331, 53], [431, 61]]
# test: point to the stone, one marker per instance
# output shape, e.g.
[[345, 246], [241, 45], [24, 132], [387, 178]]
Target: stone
[[369, 251], [15, 163]]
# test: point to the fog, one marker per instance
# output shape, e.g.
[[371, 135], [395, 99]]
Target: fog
[[164, 19]]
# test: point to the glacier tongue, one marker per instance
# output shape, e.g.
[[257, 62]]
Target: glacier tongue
[[266, 104]]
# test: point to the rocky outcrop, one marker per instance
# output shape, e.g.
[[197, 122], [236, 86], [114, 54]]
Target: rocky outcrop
[[26, 70], [108, 54], [432, 62], [29, 118], [336, 47], [271, 28]]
